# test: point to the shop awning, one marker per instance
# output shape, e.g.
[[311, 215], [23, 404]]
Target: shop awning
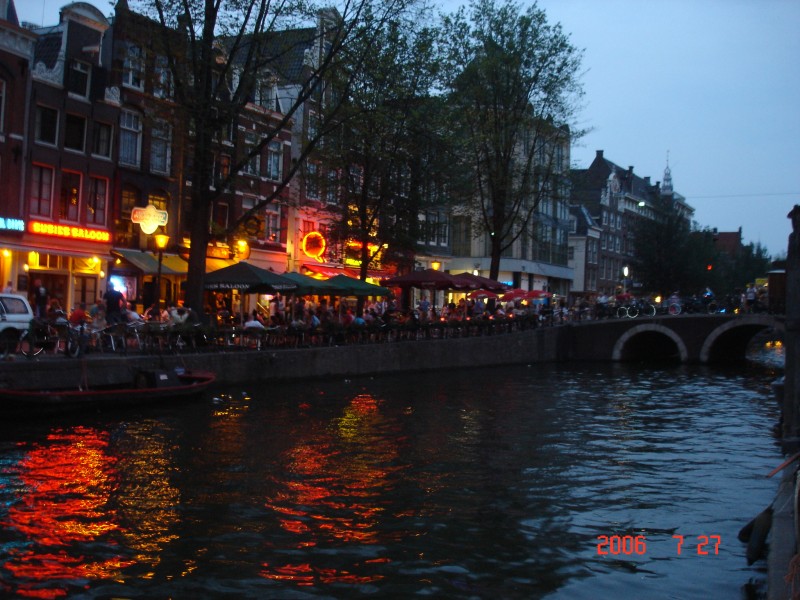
[[145, 261], [215, 264], [176, 263]]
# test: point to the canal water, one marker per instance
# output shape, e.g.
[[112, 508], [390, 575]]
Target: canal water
[[543, 481]]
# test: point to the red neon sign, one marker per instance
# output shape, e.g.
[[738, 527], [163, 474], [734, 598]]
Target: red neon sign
[[70, 232]]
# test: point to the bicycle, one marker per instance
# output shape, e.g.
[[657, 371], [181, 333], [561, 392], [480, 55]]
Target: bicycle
[[42, 336]]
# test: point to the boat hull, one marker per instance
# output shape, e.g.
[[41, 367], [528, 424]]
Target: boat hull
[[147, 387]]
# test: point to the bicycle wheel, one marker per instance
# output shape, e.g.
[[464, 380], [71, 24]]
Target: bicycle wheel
[[31, 344], [622, 312], [633, 312], [674, 308], [72, 345], [648, 310], [713, 308]]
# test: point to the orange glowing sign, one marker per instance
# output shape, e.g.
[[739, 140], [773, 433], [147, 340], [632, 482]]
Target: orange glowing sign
[[70, 232], [314, 245]]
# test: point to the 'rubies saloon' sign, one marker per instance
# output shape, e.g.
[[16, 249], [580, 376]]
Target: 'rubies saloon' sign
[[70, 232]]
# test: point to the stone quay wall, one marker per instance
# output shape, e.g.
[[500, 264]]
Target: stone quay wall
[[292, 364]]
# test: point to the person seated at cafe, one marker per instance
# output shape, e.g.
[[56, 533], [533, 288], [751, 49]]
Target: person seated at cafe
[[254, 322], [79, 315], [130, 315], [156, 313], [178, 315], [54, 311]]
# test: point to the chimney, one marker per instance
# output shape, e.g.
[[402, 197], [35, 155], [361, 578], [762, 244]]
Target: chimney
[[599, 154]]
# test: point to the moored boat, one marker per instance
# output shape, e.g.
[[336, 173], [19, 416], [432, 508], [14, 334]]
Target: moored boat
[[145, 387]]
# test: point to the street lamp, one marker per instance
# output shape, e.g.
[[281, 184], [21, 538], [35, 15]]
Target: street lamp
[[625, 273], [161, 243]]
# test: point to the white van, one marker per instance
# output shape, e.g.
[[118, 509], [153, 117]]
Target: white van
[[15, 317]]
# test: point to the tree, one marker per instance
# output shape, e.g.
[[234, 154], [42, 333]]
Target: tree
[[673, 254], [216, 54], [511, 81], [370, 158]]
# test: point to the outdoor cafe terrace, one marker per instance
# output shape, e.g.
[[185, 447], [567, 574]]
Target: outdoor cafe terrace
[[294, 327]]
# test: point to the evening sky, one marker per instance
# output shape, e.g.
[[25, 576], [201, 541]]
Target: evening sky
[[713, 86]]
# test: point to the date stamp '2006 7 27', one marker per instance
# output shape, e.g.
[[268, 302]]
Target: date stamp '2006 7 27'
[[615, 545]]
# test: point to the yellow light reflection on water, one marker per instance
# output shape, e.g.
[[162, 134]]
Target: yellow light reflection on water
[[339, 472]]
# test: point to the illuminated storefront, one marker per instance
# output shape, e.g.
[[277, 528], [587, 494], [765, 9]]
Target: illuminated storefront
[[70, 260]]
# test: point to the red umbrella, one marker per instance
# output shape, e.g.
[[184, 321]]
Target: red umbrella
[[513, 295], [538, 294], [483, 282], [481, 294], [429, 279]]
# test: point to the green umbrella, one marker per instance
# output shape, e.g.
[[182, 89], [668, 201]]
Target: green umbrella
[[309, 285], [355, 287]]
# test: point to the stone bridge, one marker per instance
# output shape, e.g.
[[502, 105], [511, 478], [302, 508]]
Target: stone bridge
[[686, 338]]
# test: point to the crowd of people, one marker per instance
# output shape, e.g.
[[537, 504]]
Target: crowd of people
[[307, 314]]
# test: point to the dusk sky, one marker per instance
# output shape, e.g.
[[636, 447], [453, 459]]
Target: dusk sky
[[713, 84]]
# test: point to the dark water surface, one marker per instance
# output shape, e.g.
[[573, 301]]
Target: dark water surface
[[487, 483]]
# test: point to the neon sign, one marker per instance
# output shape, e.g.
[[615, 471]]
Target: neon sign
[[314, 245], [8, 224], [149, 218], [70, 232]]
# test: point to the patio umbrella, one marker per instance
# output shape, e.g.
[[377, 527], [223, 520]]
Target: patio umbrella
[[356, 287], [309, 285], [248, 278], [515, 294], [483, 282], [481, 294], [429, 279], [538, 294]]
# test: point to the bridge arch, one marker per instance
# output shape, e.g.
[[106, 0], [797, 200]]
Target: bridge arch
[[729, 341], [649, 330]]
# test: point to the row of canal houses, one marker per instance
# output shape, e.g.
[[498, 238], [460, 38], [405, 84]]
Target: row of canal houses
[[81, 156]]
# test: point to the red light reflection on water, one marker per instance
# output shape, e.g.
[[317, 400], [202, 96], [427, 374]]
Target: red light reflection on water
[[334, 478], [66, 483]]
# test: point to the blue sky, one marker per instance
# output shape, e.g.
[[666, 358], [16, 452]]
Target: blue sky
[[714, 83]]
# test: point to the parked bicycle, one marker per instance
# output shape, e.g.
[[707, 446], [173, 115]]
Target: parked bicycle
[[636, 308], [50, 336]]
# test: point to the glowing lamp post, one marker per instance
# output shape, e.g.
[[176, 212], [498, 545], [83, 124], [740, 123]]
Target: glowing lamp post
[[161, 243]]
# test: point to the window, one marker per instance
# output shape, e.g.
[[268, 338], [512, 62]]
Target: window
[[274, 161], [41, 191], [272, 224], [220, 215], [101, 140], [313, 128], [571, 253], [78, 78], [356, 179], [253, 164], [161, 147], [46, 125], [130, 199], [573, 225], [130, 138], [443, 233], [133, 67], [162, 78], [332, 187], [75, 133], [462, 236], [69, 200], [96, 201], [312, 185], [222, 169]]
